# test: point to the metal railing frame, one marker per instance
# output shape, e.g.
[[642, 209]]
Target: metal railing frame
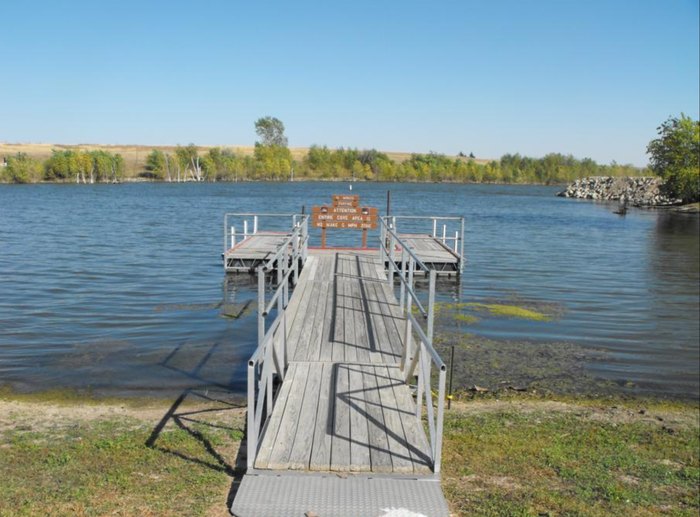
[[457, 246], [418, 357], [270, 357], [254, 218]]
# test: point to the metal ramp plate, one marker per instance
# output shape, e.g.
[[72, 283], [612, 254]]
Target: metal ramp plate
[[292, 495]]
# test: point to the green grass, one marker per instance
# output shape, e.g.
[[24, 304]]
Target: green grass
[[567, 462], [105, 467], [517, 455]]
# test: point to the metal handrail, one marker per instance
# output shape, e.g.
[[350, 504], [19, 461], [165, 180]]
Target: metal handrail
[[245, 233], [418, 360], [458, 239], [268, 360]]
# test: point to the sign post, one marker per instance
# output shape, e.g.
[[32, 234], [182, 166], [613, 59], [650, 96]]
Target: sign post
[[345, 212]]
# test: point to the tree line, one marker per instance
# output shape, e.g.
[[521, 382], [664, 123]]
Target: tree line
[[64, 166], [275, 163]]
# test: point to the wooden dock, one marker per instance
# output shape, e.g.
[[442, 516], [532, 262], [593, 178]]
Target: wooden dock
[[253, 251], [345, 390], [432, 252], [343, 405]]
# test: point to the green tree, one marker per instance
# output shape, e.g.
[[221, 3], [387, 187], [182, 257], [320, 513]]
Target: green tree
[[271, 131], [156, 166], [675, 157], [22, 169], [188, 158]]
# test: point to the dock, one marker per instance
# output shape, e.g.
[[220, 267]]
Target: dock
[[345, 390], [245, 251]]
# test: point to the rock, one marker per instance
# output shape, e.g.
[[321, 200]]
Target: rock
[[637, 191]]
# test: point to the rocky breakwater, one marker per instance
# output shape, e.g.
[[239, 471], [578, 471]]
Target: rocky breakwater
[[637, 191]]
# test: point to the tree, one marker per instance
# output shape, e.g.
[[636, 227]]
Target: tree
[[675, 157], [188, 157], [156, 165], [271, 131], [22, 169]]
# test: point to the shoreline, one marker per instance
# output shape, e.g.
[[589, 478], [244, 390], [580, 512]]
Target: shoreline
[[508, 455]]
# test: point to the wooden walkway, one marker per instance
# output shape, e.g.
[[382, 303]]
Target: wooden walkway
[[343, 406]]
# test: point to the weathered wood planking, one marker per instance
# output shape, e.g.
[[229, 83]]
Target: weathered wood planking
[[343, 406]]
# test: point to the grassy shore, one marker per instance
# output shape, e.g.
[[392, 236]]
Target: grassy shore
[[517, 455]]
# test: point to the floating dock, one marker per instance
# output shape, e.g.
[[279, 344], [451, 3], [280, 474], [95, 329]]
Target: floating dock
[[245, 251], [345, 390]]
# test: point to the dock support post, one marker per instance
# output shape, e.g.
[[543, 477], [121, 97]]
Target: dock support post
[[255, 224], [233, 236], [434, 227], [456, 241], [444, 233], [245, 229]]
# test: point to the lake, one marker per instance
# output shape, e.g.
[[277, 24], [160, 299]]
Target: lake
[[118, 289]]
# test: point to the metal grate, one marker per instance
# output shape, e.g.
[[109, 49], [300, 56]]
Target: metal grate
[[266, 495]]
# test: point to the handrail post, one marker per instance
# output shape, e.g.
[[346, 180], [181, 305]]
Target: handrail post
[[225, 234], [252, 438], [403, 275], [391, 261], [437, 454], [431, 305], [408, 306], [261, 305], [461, 254]]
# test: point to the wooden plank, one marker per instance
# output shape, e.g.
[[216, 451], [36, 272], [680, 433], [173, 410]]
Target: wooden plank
[[415, 434], [325, 346], [359, 317], [351, 341], [396, 437], [338, 313], [303, 441], [309, 348], [359, 434], [340, 446], [323, 427], [374, 316], [387, 349], [298, 308], [282, 448], [270, 431], [380, 456], [297, 295], [303, 337]]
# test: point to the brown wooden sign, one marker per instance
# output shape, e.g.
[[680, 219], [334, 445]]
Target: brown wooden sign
[[346, 200], [344, 213]]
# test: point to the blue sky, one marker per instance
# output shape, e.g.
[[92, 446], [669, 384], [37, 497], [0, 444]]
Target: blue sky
[[590, 78]]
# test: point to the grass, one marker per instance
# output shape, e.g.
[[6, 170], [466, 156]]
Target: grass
[[563, 459], [515, 456], [71, 459]]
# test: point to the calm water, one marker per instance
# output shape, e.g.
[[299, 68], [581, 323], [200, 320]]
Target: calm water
[[118, 288]]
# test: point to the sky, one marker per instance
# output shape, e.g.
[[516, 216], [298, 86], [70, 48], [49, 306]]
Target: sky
[[591, 78]]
